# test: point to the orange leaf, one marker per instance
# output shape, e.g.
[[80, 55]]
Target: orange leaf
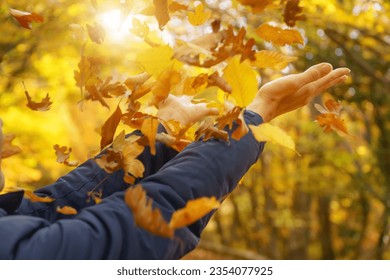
[[234, 115], [330, 119], [109, 128], [193, 211], [44, 105], [149, 129], [272, 59], [144, 215], [279, 36], [165, 81], [208, 131], [161, 12], [63, 155], [25, 18], [8, 149], [257, 5], [96, 33], [34, 198], [175, 7], [66, 210]]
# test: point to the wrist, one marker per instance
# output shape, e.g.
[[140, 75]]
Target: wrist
[[262, 108]]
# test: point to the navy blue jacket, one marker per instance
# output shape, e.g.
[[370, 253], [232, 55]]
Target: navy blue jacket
[[107, 230]]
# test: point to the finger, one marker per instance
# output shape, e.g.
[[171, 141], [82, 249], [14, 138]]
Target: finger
[[335, 77], [314, 73], [213, 112]]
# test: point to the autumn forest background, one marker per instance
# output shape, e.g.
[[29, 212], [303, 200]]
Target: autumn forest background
[[328, 200]]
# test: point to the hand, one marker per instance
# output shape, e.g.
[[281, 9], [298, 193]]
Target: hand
[[294, 91], [183, 110]]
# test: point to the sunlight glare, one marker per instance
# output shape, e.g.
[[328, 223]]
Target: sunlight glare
[[117, 27]]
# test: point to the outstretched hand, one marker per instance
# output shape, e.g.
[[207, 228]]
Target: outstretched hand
[[294, 91]]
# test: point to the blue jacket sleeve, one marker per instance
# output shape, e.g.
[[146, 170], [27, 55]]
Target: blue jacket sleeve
[[72, 189], [107, 230]]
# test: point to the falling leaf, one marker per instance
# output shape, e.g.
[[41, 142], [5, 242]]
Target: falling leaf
[[200, 16], [234, 115], [89, 68], [175, 7], [109, 127], [257, 5], [145, 216], [293, 12], [279, 36], [193, 211], [155, 60], [130, 162], [330, 119], [207, 130], [44, 105], [272, 59], [161, 12], [242, 78], [35, 198], [140, 29], [8, 149], [149, 129], [269, 132], [173, 142], [96, 33], [63, 154], [165, 82], [66, 210], [25, 18]]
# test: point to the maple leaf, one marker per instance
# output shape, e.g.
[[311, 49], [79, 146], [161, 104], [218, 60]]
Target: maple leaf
[[242, 78], [330, 119], [96, 32], [279, 36], [109, 89], [109, 127], [145, 216], [44, 105], [269, 132], [293, 13], [35, 198], [7, 148], [165, 82], [234, 115], [199, 16], [272, 59], [25, 18], [63, 154], [161, 12], [149, 129], [193, 211], [66, 210]]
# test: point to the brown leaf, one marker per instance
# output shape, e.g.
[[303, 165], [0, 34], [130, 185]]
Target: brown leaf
[[209, 131], [8, 149], [66, 210], [257, 5], [279, 36], [89, 68], [63, 154], [145, 216], [293, 12], [44, 105], [34, 198], [96, 33], [25, 18], [175, 7], [193, 211], [109, 128], [331, 122], [161, 12]]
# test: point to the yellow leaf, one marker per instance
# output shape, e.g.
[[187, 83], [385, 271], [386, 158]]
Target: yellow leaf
[[8, 149], [155, 60], [165, 81], [149, 129], [34, 198], [131, 164], [96, 33], [200, 16], [279, 36], [193, 211], [269, 132], [144, 215], [257, 5], [66, 210], [272, 59], [242, 78]]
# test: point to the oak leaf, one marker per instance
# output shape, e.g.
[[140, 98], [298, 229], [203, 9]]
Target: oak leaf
[[96, 33], [234, 115], [279, 36], [269, 132], [144, 215], [242, 78], [193, 211], [63, 154], [272, 59], [293, 12], [35, 198], [66, 210], [25, 18], [7, 148], [109, 127], [330, 119], [199, 16]]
